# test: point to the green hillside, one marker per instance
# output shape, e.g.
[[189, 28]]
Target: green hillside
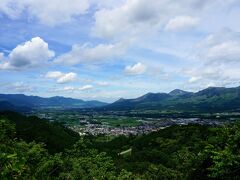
[[54, 136]]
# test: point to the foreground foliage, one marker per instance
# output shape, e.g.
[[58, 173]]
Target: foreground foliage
[[178, 152]]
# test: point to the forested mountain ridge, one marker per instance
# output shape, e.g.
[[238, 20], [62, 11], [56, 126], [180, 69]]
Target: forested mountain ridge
[[210, 99], [21, 100]]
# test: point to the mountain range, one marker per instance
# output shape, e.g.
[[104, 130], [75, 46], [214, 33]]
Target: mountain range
[[211, 99], [21, 102]]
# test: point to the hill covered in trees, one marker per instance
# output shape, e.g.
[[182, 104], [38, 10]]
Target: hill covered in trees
[[55, 136], [177, 152]]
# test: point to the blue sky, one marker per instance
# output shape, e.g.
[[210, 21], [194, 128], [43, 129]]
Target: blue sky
[[110, 49]]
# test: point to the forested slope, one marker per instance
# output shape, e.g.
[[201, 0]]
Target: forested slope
[[177, 152]]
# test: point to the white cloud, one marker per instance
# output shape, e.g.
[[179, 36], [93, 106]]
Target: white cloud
[[69, 77], [136, 69], [85, 87], [179, 23], [29, 54], [54, 74], [47, 12], [85, 54], [60, 77]]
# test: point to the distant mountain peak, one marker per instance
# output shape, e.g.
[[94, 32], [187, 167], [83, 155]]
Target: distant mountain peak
[[177, 92], [212, 88], [120, 100], [152, 97]]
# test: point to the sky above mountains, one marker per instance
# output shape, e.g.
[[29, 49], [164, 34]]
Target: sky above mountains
[[105, 50]]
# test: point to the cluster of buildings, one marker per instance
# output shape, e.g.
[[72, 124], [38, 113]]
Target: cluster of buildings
[[146, 127], [97, 129]]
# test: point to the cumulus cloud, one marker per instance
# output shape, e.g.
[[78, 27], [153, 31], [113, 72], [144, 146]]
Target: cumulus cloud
[[180, 23], [136, 69], [29, 54], [96, 54], [47, 12], [60, 77]]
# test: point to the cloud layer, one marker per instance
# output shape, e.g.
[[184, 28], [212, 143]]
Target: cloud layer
[[134, 17], [47, 12], [218, 55], [97, 54]]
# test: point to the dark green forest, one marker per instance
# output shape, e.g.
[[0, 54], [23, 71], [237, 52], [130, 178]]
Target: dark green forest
[[33, 148]]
